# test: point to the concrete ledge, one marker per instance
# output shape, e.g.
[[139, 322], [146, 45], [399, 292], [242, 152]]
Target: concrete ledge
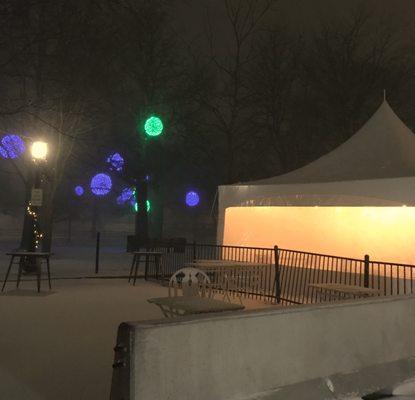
[[288, 353], [355, 384]]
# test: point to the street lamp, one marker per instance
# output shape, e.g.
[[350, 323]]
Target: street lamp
[[39, 150], [34, 198]]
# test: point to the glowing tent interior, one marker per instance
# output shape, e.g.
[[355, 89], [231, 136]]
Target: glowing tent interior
[[358, 199]]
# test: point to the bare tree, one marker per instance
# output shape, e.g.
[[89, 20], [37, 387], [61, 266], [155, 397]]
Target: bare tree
[[351, 61], [274, 77], [229, 106], [52, 68]]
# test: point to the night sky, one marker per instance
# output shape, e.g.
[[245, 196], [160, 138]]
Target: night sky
[[300, 15], [327, 103]]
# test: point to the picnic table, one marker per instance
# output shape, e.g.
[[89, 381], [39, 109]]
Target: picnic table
[[233, 277], [185, 305], [224, 264], [347, 291]]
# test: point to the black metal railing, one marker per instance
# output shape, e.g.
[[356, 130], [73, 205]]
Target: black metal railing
[[299, 270], [256, 282], [287, 276]]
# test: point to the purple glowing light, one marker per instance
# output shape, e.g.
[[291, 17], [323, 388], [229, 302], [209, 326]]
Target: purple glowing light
[[12, 146], [101, 185], [126, 195], [79, 190], [3, 152], [116, 162], [192, 199]]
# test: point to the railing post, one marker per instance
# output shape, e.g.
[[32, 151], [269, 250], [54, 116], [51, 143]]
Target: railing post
[[277, 274], [194, 250], [97, 253], [366, 272]]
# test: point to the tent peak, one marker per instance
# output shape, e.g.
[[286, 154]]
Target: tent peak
[[384, 147]]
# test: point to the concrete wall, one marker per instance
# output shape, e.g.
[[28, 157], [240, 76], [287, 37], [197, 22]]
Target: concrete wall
[[284, 353]]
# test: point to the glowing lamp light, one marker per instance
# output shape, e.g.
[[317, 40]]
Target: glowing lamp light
[[12, 146], [39, 150], [79, 190], [192, 199], [116, 162], [153, 126], [101, 184]]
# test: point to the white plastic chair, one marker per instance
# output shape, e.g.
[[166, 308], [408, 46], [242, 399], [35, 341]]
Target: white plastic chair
[[191, 281]]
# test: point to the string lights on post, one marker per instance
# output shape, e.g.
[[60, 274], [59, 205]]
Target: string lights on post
[[38, 235], [39, 153]]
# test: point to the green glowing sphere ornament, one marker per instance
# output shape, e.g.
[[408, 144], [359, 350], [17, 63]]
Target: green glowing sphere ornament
[[153, 126], [148, 206]]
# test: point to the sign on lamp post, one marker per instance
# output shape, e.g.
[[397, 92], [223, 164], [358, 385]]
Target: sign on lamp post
[[36, 198]]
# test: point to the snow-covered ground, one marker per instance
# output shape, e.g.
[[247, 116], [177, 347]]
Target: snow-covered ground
[[58, 345], [78, 261]]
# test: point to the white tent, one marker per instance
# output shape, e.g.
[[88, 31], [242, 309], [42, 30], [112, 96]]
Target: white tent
[[358, 199]]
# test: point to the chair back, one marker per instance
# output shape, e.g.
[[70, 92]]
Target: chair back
[[191, 281]]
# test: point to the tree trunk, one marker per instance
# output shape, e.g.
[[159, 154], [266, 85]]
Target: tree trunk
[[141, 216]]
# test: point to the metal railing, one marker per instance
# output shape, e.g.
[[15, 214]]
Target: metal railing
[[286, 276], [299, 270], [254, 278]]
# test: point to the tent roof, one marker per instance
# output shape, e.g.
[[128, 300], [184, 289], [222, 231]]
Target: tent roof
[[383, 148]]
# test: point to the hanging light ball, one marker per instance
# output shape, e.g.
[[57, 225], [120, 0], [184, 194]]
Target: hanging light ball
[[101, 184], [126, 195], [116, 162], [192, 199], [79, 190], [148, 206], [3, 152], [12, 146], [153, 126]]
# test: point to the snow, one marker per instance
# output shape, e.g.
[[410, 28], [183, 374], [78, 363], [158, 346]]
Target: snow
[[58, 345], [406, 388], [78, 261]]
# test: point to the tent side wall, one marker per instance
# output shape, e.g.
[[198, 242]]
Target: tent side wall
[[344, 218]]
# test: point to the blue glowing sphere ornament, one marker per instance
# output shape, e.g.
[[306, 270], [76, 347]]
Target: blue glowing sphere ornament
[[3, 152], [192, 199], [126, 195], [116, 162], [12, 146], [101, 185], [79, 190]]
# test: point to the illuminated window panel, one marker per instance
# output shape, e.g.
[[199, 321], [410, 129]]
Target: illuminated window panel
[[385, 233]]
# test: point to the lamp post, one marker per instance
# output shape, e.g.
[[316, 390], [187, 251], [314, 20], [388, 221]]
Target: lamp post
[[32, 234]]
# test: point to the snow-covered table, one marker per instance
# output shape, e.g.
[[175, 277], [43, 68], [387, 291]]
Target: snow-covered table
[[348, 291], [156, 255], [35, 258], [185, 305]]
